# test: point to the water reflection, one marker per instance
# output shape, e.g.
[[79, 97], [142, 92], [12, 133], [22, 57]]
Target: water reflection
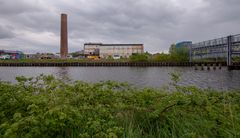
[[138, 76], [63, 74]]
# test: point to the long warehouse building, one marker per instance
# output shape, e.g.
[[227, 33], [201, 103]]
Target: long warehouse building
[[113, 50]]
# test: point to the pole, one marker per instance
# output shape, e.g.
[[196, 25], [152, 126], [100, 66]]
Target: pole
[[229, 52]]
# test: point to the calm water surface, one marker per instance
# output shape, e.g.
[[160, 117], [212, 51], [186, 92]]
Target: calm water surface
[[138, 76]]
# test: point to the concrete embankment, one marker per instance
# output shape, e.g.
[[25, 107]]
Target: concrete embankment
[[113, 64]]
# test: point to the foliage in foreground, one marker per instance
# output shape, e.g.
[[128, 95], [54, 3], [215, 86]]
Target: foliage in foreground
[[47, 107]]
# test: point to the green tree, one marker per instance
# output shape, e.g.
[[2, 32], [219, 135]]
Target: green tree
[[162, 57], [75, 54], [172, 49], [180, 54], [139, 57]]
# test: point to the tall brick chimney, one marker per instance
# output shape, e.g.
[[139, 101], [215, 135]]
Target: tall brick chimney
[[64, 36]]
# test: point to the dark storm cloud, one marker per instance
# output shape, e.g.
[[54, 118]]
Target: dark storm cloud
[[33, 25]]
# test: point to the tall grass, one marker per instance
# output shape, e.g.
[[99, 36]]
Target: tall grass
[[47, 107]]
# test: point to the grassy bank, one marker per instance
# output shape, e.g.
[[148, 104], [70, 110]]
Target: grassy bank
[[47, 107]]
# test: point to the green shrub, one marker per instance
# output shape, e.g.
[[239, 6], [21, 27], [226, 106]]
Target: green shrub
[[139, 57], [47, 107]]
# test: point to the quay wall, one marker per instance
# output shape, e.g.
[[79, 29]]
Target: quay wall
[[115, 64]]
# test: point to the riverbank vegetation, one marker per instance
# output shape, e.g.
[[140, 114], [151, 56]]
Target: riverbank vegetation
[[175, 55], [47, 107]]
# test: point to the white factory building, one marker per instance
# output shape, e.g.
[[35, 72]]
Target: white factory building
[[112, 50]]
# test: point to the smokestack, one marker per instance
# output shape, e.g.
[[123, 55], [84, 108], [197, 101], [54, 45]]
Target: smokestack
[[64, 36]]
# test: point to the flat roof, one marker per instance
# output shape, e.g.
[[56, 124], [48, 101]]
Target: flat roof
[[93, 44], [121, 44], [113, 44]]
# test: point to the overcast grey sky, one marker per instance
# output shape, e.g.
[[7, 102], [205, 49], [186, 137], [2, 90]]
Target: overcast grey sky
[[34, 25]]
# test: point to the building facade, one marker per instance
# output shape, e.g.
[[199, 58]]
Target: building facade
[[7, 54], [113, 50], [184, 44], [41, 56], [92, 48]]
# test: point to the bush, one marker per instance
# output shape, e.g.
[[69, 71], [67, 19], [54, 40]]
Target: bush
[[139, 57], [180, 54], [47, 107], [162, 57]]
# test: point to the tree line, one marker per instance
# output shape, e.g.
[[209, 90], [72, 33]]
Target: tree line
[[175, 54]]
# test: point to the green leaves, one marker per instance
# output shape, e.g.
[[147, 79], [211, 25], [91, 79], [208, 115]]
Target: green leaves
[[139, 57], [47, 107]]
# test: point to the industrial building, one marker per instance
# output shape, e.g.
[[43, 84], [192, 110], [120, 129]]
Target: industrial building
[[112, 50], [41, 56], [92, 48], [7, 54], [184, 44]]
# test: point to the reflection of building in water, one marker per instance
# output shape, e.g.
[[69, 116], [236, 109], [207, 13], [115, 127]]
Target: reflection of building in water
[[63, 74], [112, 50]]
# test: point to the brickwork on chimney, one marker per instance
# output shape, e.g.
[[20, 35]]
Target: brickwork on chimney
[[64, 36]]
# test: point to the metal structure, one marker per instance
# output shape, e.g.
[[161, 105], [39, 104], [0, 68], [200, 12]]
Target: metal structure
[[226, 47]]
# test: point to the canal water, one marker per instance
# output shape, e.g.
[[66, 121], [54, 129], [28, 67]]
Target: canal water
[[137, 76]]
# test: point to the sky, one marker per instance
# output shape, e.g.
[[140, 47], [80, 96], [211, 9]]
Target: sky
[[34, 25]]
